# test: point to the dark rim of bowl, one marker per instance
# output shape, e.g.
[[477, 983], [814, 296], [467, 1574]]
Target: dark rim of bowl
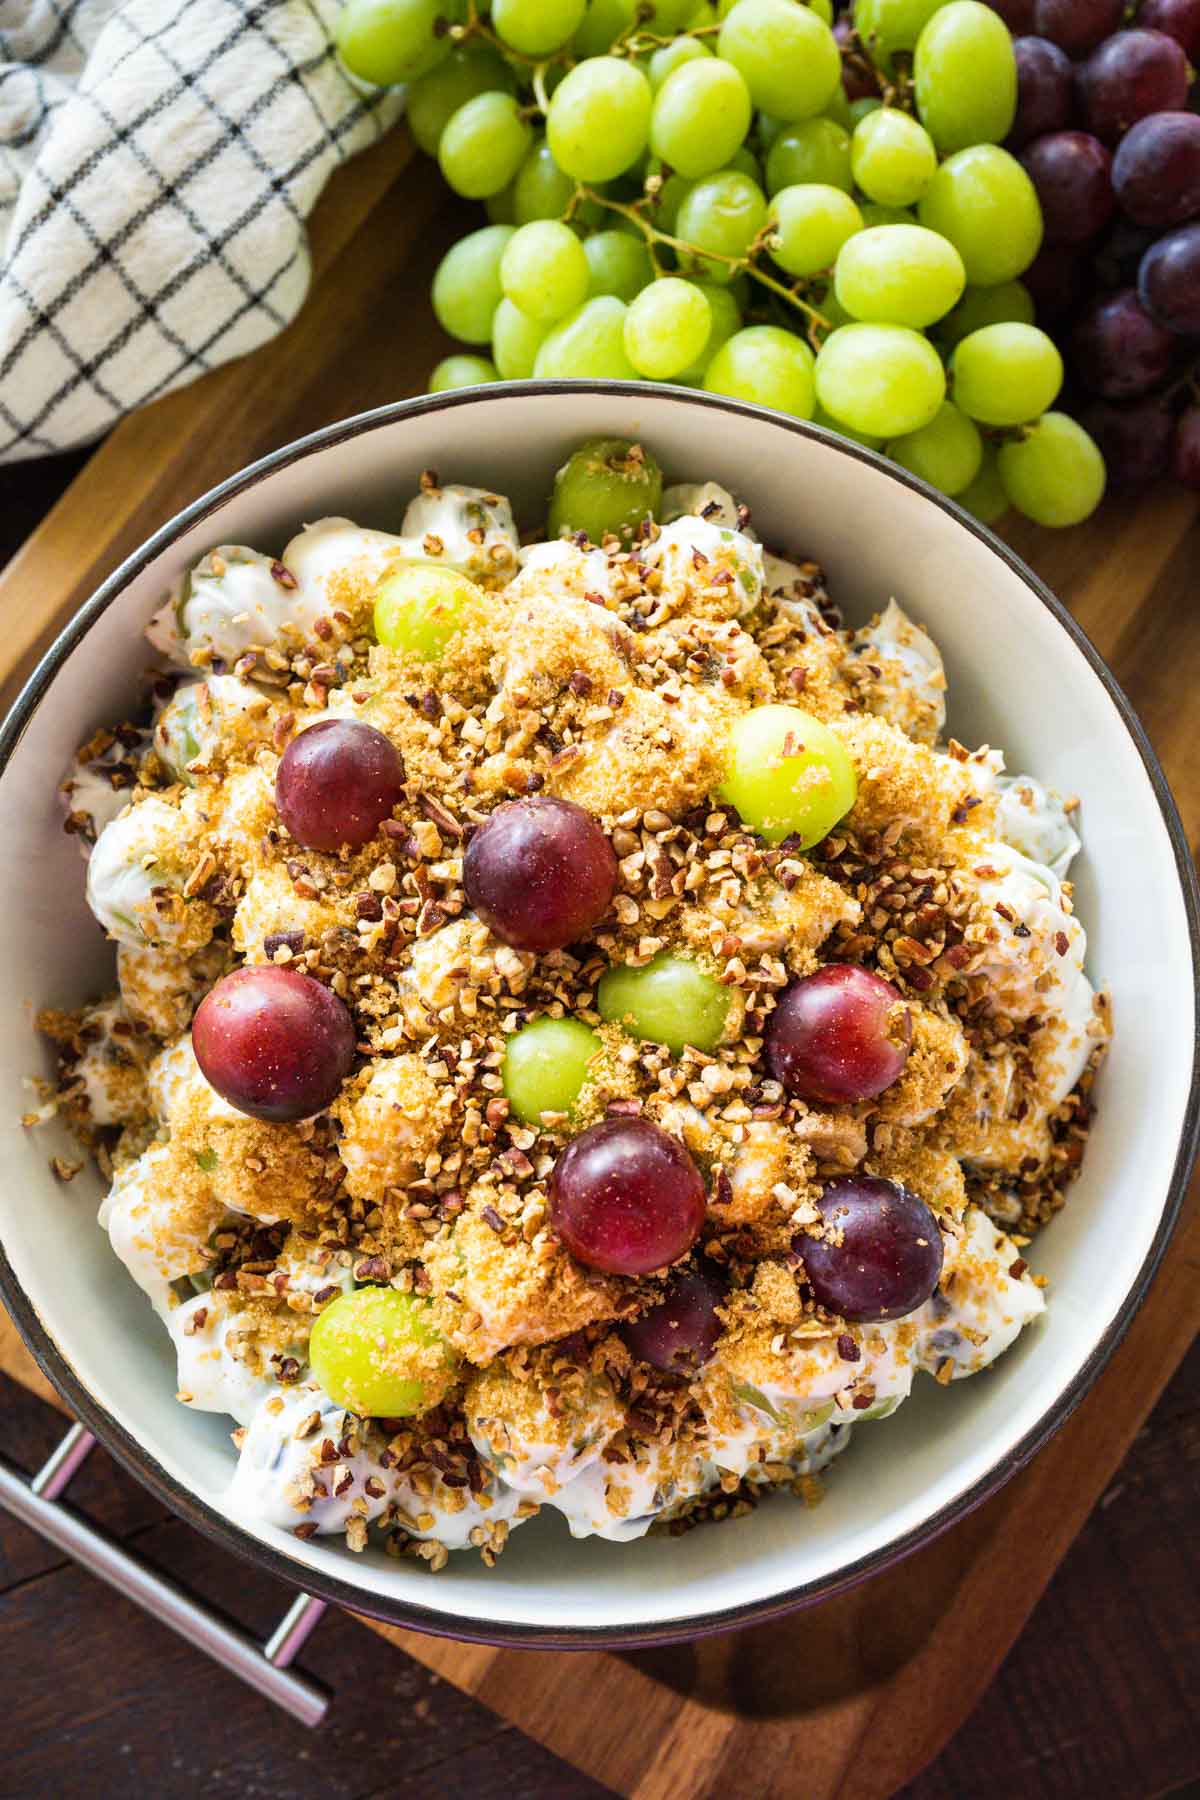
[[359, 1599]]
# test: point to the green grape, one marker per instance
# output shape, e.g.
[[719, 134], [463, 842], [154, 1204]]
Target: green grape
[[604, 22], [606, 488], [617, 264], [516, 341], [462, 371], [898, 275], [837, 108], [536, 27], [666, 327], [501, 208], [540, 189], [744, 162], [720, 215], [378, 1353], [544, 271], [672, 56], [434, 99], [766, 365], [420, 606], [858, 109], [1008, 303], [788, 56], [588, 345], [1054, 474], [767, 128], [809, 224], [545, 1067], [966, 76], [665, 192], [813, 150], [389, 41], [985, 497], [984, 202], [466, 287], [823, 10], [883, 379], [670, 1000], [667, 16], [726, 316], [483, 145], [821, 417], [886, 26], [892, 157], [874, 214], [946, 453], [701, 115], [1006, 374], [831, 308], [788, 774], [599, 118]]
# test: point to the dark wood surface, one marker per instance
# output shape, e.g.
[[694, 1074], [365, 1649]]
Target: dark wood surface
[[1094, 1699]]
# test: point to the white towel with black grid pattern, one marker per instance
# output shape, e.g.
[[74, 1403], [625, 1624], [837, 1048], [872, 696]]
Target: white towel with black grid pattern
[[158, 159]]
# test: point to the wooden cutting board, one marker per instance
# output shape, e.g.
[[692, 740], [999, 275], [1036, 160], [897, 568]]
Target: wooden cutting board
[[852, 1698]]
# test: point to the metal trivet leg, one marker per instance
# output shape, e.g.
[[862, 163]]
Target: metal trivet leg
[[35, 1501]]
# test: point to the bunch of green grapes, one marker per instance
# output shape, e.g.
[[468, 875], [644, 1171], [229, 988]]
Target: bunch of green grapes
[[744, 196]]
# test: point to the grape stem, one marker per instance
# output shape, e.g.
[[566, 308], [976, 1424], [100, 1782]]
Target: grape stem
[[639, 43], [738, 265]]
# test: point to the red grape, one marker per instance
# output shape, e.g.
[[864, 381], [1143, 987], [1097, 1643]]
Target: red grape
[[1077, 25], [890, 1254], [1187, 448], [336, 784], [626, 1197], [273, 1042], [1117, 349], [1134, 440], [1116, 258], [1129, 76], [1058, 279], [1072, 173], [839, 1034], [1045, 90], [1179, 19], [1156, 171], [540, 872], [1017, 15], [681, 1332], [1169, 280]]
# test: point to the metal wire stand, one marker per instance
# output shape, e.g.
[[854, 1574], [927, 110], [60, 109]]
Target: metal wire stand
[[37, 1501]]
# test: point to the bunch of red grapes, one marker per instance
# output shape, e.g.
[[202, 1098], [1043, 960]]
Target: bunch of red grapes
[[1105, 127]]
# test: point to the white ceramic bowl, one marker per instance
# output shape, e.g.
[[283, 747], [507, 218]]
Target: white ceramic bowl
[[1021, 676]]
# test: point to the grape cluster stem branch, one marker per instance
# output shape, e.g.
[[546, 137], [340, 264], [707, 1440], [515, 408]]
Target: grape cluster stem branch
[[738, 265]]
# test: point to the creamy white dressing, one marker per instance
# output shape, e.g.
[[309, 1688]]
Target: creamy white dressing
[[131, 858], [467, 528], [683, 548], [911, 691], [191, 725]]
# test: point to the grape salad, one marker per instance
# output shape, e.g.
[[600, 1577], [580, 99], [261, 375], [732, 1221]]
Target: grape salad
[[584, 1040]]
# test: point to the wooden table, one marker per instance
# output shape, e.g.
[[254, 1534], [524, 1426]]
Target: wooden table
[[1093, 1702]]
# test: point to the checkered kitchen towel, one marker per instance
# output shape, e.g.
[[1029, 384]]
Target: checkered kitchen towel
[[157, 162]]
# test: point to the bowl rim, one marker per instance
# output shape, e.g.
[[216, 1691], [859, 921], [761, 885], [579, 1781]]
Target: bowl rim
[[328, 1586]]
